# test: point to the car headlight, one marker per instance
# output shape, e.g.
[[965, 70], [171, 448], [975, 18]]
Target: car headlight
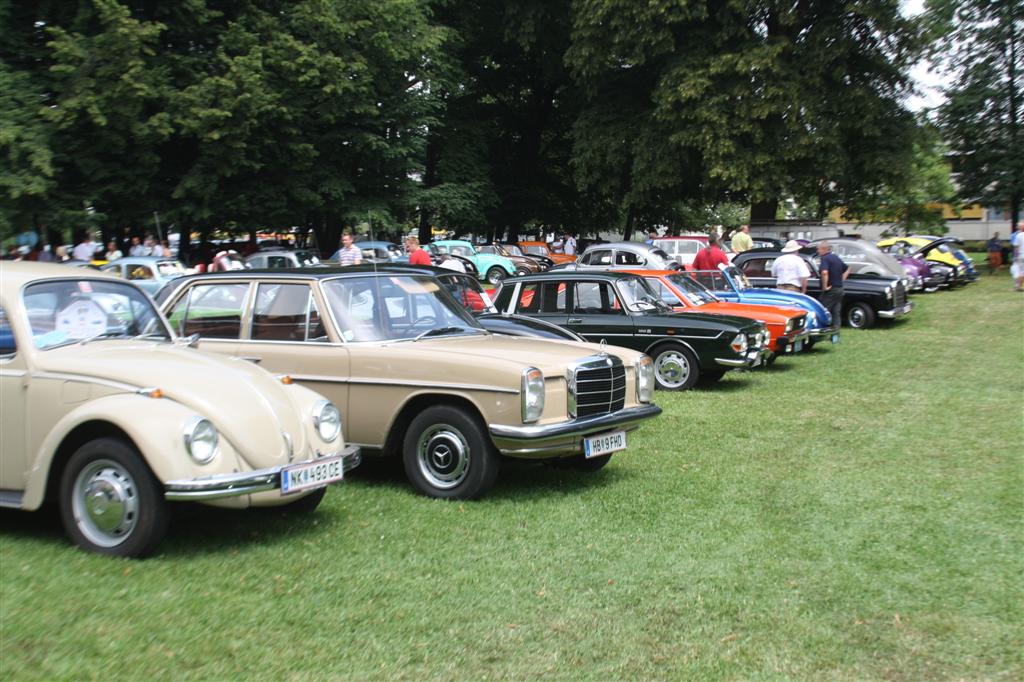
[[327, 421], [532, 394], [200, 439], [644, 379], [789, 326], [739, 344]]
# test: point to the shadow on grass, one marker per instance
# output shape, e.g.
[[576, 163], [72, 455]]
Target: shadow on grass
[[194, 529], [736, 381], [518, 479]]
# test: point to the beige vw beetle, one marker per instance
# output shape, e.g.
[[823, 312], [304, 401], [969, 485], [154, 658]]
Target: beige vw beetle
[[105, 412], [414, 373]]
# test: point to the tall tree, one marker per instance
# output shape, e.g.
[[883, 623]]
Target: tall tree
[[755, 98], [980, 45]]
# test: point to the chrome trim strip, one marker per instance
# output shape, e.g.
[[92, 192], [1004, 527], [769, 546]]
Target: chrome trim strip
[[574, 427], [233, 485], [13, 372], [731, 363], [896, 312], [392, 382]]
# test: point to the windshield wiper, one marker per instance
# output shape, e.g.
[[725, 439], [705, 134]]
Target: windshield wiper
[[437, 331], [101, 335]]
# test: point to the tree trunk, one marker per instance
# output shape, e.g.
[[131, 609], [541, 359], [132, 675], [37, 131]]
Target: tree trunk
[[627, 231]]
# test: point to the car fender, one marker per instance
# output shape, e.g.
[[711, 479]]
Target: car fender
[[155, 426]]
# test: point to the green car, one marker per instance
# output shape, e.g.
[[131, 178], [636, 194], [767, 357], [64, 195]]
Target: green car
[[620, 309], [492, 268]]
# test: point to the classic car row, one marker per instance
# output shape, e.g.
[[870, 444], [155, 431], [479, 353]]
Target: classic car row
[[259, 388]]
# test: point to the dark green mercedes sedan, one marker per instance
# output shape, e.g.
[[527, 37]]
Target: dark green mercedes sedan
[[621, 310]]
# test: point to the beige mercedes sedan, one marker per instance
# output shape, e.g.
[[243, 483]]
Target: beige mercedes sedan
[[414, 374]]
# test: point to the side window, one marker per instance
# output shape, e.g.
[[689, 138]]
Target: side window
[[213, 311], [7, 345], [595, 298], [529, 299], [601, 257], [140, 272], [758, 267], [627, 258], [277, 262], [280, 312], [553, 299], [116, 270]]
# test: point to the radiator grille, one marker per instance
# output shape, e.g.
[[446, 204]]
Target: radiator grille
[[899, 296], [598, 386]]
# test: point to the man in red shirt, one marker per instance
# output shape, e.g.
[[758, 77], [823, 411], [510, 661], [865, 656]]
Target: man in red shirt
[[710, 256], [417, 256]]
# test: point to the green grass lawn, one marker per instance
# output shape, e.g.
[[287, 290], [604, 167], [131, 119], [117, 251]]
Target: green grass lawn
[[852, 513]]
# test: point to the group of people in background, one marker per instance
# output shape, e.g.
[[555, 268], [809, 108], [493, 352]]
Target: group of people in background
[[86, 249]]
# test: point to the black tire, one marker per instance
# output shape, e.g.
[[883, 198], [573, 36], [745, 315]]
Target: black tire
[[860, 316], [307, 504], [675, 367], [110, 502], [448, 454], [522, 271], [581, 463], [809, 343], [496, 275]]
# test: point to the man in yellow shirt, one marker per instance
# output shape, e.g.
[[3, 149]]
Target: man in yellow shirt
[[741, 241]]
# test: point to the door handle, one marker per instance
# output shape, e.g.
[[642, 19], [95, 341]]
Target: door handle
[[252, 359], [575, 320]]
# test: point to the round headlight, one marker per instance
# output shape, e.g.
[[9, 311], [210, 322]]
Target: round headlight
[[327, 421], [201, 440]]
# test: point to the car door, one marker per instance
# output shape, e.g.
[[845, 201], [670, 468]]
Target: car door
[[287, 333], [545, 300], [597, 314], [13, 382]]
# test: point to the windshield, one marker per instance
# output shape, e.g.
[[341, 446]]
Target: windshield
[[394, 308], [306, 258], [537, 250], [694, 292], [170, 268], [64, 312], [638, 295], [510, 249]]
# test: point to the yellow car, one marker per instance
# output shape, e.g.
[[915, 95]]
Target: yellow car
[[942, 250]]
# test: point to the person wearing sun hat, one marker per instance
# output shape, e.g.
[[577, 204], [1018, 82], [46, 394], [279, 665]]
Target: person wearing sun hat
[[789, 270]]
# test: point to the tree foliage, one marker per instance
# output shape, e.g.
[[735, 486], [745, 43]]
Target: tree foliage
[[980, 46], [474, 115]]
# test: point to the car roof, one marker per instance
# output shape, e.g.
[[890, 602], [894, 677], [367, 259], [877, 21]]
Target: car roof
[[142, 259], [16, 274], [608, 275], [691, 237], [373, 243], [639, 246]]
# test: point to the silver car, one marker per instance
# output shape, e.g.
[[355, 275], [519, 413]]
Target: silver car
[[622, 256]]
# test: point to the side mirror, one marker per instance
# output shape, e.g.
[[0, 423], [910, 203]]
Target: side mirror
[[188, 341]]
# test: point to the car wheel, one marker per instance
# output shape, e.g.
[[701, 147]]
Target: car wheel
[[675, 368], [521, 271], [110, 502], [495, 275], [860, 316], [306, 504], [448, 454]]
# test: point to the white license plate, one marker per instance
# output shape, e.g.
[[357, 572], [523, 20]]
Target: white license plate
[[835, 338], [798, 346], [299, 477], [595, 446]]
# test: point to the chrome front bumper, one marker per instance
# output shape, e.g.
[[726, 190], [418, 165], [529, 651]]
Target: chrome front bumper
[[543, 440], [752, 358], [896, 312], [789, 343], [245, 483]]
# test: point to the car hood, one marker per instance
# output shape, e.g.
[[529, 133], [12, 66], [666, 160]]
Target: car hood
[[778, 314], [247, 405], [712, 321], [510, 352]]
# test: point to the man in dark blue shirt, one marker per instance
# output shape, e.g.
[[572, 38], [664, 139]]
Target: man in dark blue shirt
[[833, 273]]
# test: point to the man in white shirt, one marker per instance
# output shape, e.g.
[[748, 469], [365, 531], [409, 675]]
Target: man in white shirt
[[789, 270], [569, 245], [84, 250]]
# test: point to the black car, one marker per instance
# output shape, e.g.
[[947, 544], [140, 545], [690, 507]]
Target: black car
[[865, 297], [621, 309]]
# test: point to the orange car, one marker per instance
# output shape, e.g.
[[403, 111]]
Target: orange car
[[787, 325], [542, 249]]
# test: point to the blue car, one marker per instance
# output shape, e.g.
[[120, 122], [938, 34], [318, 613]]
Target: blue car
[[729, 284], [150, 273]]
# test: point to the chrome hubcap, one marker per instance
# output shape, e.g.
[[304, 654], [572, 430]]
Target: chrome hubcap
[[672, 369], [105, 503], [856, 317], [443, 456]]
